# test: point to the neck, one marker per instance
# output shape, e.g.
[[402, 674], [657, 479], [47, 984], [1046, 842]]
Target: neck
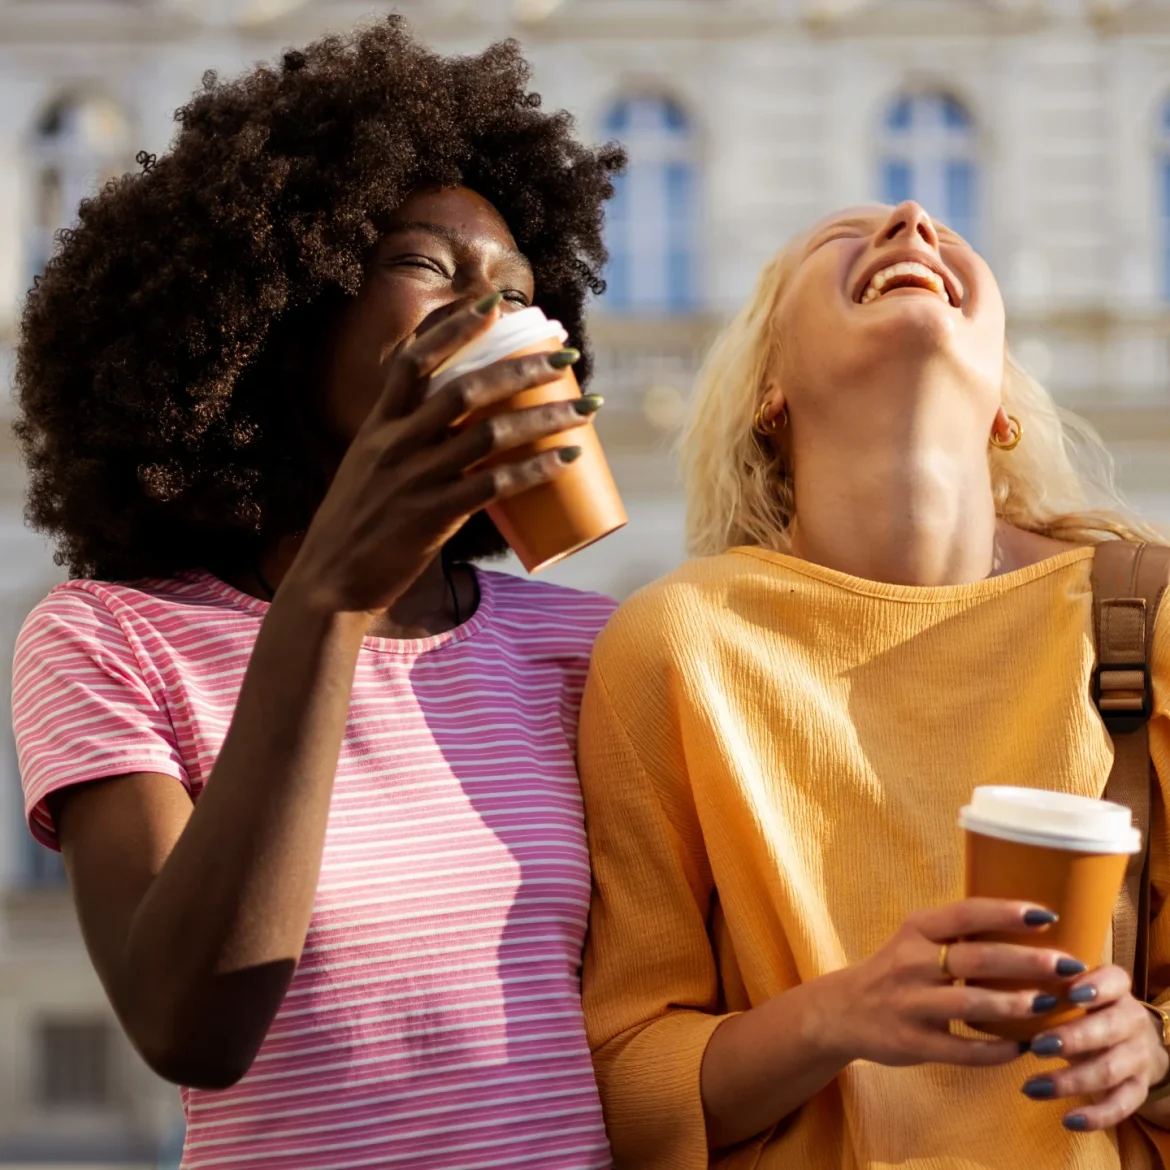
[[425, 608], [905, 500]]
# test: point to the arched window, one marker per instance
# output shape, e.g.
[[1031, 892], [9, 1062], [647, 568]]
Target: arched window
[[652, 221], [929, 154], [77, 145]]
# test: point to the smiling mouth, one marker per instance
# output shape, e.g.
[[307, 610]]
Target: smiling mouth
[[907, 274]]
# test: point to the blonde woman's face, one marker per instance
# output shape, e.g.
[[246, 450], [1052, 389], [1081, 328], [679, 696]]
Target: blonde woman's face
[[881, 284]]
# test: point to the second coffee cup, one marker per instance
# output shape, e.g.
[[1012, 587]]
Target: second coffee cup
[[544, 524], [1063, 852]]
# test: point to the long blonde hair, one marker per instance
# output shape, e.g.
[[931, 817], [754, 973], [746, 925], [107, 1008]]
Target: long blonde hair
[[1059, 481]]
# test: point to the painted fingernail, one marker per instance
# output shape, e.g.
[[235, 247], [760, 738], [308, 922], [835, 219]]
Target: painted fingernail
[[563, 358], [1040, 918], [1082, 995], [1040, 1089], [1076, 1121], [1047, 1046], [1067, 967], [485, 304], [1044, 1003], [590, 404], [569, 454]]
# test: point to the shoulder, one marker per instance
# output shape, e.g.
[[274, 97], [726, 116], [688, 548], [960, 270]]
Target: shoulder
[[96, 607], [674, 614], [522, 605], [108, 623], [82, 608]]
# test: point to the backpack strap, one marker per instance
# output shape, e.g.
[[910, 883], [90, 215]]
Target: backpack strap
[[1129, 580]]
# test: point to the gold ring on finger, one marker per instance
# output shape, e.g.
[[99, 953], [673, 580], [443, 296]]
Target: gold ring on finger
[[943, 969]]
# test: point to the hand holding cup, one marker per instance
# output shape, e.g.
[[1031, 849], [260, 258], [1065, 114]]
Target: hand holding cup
[[896, 1007]]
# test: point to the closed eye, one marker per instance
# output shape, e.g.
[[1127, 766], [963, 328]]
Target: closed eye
[[422, 262], [844, 231]]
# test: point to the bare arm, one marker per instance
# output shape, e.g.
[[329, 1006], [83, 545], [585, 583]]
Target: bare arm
[[196, 917]]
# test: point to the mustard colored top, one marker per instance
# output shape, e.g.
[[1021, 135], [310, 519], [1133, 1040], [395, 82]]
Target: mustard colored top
[[774, 756]]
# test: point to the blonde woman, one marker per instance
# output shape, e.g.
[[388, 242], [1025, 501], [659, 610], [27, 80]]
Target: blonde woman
[[890, 606]]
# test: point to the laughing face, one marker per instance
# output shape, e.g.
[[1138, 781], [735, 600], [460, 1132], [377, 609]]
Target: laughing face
[[885, 292]]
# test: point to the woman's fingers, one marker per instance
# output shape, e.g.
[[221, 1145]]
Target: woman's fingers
[[981, 916], [1102, 1074], [990, 960], [1097, 1030], [1103, 986], [481, 488], [478, 391], [1111, 1110], [506, 432], [410, 368], [942, 1048], [975, 1005]]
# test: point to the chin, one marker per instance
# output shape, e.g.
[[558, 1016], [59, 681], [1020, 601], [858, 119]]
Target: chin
[[923, 323], [478, 540]]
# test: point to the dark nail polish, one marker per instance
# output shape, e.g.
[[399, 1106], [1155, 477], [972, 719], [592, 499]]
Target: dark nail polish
[[1044, 1003], [569, 454], [563, 358], [485, 304], [1076, 1121], [590, 404], [1040, 918], [1047, 1046], [1068, 967], [1040, 1089], [1082, 995]]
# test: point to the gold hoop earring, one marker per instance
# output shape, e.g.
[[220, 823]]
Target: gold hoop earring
[[763, 425], [1013, 440]]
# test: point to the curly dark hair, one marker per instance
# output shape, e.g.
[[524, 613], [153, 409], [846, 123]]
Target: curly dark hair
[[153, 372]]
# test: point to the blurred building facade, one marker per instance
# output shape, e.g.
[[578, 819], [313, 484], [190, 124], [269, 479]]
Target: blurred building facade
[[1039, 128]]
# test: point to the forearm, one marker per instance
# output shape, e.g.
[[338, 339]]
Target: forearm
[[764, 1064], [217, 936]]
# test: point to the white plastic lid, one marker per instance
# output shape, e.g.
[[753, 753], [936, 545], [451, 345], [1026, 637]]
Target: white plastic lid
[[512, 332], [1057, 820]]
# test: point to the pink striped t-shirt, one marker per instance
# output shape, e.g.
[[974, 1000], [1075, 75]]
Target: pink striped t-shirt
[[435, 1017]]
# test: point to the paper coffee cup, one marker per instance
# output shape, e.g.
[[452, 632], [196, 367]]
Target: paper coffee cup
[[548, 523], [1063, 852]]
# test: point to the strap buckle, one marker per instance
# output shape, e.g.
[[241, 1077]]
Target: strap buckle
[[1124, 695]]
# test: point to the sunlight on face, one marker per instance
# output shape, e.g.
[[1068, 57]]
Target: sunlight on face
[[874, 287]]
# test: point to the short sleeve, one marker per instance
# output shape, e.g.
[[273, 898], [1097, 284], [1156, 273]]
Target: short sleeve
[[82, 708]]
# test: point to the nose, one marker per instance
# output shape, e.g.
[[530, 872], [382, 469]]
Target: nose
[[907, 220]]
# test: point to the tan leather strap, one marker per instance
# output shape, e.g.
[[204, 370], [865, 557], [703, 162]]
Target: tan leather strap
[[1129, 580]]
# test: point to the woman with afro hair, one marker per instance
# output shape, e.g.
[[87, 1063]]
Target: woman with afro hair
[[312, 773]]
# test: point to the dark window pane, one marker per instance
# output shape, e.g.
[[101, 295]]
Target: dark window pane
[[898, 119], [74, 1064]]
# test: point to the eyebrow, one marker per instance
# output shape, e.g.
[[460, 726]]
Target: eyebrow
[[450, 235]]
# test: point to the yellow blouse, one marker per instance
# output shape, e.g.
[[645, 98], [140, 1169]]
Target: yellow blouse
[[773, 757]]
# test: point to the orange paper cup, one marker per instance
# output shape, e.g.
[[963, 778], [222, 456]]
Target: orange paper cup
[[548, 523], [1063, 852]]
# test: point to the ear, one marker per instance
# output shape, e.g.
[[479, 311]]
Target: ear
[[775, 399], [1001, 427]]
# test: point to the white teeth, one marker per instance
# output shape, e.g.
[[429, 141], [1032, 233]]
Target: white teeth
[[928, 276]]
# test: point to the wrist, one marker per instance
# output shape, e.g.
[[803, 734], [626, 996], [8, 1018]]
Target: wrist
[[825, 1020], [314, 613]]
